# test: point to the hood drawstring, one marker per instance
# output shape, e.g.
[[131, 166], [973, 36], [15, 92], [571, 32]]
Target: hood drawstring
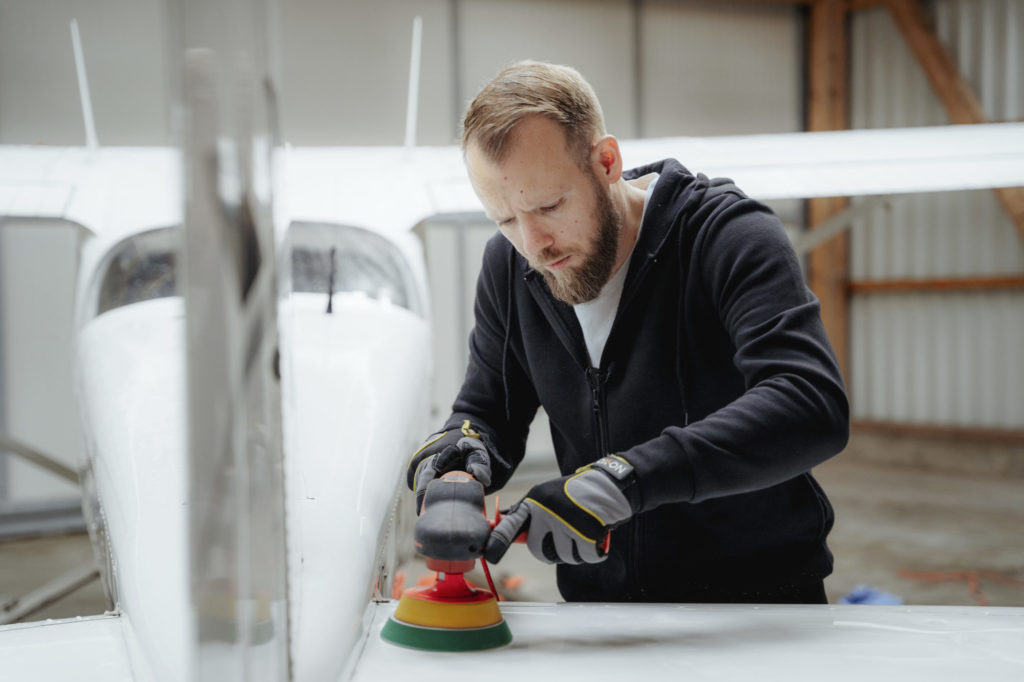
[[697, 189], [680, 350], [508, 332]]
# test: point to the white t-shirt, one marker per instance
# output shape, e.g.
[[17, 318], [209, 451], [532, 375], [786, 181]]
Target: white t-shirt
[[596, 316]]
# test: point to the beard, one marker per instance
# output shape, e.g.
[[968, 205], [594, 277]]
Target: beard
[[582, 284]]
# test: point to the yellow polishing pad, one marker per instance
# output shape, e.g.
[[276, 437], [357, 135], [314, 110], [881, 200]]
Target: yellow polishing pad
[[438, 614]]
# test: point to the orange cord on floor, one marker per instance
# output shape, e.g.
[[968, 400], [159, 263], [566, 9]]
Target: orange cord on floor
[[972, 578], [398, 586]]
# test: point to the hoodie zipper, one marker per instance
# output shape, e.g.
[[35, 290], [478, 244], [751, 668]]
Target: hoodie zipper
[[597, 380], [635, 581]]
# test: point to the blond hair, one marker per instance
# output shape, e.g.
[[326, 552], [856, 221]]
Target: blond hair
[[530, 88]]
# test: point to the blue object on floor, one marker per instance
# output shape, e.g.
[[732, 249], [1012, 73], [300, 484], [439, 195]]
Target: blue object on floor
[[866, 594]]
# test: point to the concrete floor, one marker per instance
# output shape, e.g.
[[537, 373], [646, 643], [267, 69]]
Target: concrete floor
[[922, 535], [929, 536]]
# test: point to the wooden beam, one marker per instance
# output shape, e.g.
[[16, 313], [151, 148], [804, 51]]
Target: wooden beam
[[952, 89], [828, 264], [942, 71], [855, 5], [1012, 199], [851, 5], [935, 285]]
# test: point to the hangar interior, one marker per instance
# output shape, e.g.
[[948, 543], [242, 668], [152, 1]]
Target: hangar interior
[[923, 295]]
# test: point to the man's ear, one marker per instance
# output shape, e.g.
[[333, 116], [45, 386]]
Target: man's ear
[[606, 159]]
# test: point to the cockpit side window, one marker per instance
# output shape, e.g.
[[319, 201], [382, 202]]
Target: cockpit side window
[[140, 268]]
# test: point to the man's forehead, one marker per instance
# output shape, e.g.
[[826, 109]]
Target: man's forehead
[[530, 156], [521, 184], [530, 134]]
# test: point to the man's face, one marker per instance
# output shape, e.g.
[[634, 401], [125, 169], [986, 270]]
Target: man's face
[[556, 214]]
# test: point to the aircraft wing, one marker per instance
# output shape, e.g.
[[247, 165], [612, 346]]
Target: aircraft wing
[[81, 649], [851, 162], [414, 184], [623, 641], [38, 182], [110, 192], [720, 642], [391, 188]]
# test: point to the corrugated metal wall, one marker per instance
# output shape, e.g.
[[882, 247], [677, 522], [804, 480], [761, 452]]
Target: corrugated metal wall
[[951, 359]]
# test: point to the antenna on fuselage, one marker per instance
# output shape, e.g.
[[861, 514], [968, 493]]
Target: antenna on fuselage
[[414, 83], [91, 141]]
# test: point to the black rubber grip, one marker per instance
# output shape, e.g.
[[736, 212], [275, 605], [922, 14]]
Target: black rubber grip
[[452, 526]]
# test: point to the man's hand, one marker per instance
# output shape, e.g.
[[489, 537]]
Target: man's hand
[[459, 449], [568, 518]]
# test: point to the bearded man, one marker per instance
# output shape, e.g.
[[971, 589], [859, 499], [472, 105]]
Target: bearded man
[[662, 320]]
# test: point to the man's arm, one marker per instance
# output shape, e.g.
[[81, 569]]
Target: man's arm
[[496, 394], [794, 413]]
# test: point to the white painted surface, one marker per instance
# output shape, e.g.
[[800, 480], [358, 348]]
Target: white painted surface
[[626, 641], [850, 162], [355, 400], [355, 393], [81, 649], [722, 642], [353, 184], [131, 376]]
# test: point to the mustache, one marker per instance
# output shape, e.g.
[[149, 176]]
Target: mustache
[[548, 255]]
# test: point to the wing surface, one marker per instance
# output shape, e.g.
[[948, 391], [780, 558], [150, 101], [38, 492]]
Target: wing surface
[[392, 188], [720, 642], [80, 649]]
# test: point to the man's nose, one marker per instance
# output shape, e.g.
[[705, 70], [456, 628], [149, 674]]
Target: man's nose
[[536, 236]]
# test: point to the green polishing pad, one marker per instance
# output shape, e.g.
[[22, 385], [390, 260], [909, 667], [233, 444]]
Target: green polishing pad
[[446, 639]]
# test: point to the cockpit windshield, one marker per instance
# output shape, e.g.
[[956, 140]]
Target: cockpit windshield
[[325, 258], [142, 267], [338, 259]]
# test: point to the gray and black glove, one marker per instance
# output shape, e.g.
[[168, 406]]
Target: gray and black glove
[[568, 518], [457, 449]]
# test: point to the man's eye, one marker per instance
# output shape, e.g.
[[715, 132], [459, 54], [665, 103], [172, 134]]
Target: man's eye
[[552, 207]]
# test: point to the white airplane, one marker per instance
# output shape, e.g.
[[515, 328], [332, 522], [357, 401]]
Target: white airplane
[[354, 407], [354, 353]]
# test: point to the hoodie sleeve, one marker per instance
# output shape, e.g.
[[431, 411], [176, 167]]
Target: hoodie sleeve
[[496, 395], [793, 413]]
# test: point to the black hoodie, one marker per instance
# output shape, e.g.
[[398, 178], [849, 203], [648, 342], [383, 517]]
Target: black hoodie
[[717, 383]]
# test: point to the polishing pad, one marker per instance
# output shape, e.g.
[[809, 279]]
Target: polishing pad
[[449, 615]]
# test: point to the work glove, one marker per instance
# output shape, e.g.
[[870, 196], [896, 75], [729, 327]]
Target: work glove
[[568, 518], [457, 449]]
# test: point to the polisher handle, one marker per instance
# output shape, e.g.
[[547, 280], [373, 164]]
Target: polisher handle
[[452, 526]]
